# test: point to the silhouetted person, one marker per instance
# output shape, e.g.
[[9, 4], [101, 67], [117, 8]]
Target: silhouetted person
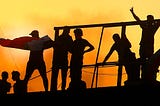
[[61, 47], [146, 50], [5, 86], [153, 65], [79, 48], [125, 57], [19, 86], [36, 61]]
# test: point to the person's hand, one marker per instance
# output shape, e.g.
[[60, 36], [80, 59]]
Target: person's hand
[[131, 9]]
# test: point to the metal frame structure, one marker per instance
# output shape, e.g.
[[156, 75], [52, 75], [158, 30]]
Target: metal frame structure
[[103, 25]]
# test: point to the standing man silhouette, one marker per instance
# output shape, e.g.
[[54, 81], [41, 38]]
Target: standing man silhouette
[[61, 47], [36, 61], [79, 48], [146, 50]]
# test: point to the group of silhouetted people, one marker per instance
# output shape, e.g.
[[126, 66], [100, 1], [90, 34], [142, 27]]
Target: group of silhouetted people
[[143, 69], [64, 44], [126, 57], [19, 87]]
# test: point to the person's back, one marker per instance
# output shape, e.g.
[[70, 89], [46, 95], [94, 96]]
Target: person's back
[[61, 47], [19, 86], [146, 50], [149, 28], [125, 57], [122, 46], [36, 61], [36, 56], [128, 59], [5, 86]]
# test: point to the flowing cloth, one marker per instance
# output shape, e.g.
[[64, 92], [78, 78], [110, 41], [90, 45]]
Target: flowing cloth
[[26, 43]]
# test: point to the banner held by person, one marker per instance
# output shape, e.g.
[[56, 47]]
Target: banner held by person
[[27, 43]]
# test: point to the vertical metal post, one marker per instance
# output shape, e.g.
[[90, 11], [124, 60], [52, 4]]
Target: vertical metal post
[[96, 67], [56, 34], [119, 79]]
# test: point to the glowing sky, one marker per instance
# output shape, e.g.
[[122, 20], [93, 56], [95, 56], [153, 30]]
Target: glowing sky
[[20, 17]]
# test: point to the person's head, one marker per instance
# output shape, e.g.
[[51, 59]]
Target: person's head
[[78, 32], [4, 75], [116, 37], [150, 17], [34, 33], [15, 75], [66, 30]]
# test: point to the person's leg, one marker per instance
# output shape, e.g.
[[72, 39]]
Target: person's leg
[[54, 78], [64, 77], [42, 71], [29, 70]]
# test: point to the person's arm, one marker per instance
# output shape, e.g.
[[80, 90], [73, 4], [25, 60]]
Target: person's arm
[[134, 15], [124, 37], [108, 55], [123, 34], [49, 44], [91, 47]]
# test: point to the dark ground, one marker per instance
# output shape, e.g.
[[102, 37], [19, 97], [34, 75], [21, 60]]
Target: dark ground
[[126, 96]]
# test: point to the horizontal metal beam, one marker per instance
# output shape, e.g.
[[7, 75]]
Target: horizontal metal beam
[[116, 24]]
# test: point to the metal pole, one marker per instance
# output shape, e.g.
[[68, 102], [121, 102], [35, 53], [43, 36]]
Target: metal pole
[[95, 69], [119, 79]]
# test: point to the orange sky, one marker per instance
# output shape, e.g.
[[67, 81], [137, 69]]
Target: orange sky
[[19, 18]]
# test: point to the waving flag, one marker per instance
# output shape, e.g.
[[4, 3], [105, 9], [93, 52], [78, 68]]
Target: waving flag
[[27, 43]]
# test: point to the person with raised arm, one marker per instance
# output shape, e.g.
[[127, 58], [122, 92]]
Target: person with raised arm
[[146, 50]]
